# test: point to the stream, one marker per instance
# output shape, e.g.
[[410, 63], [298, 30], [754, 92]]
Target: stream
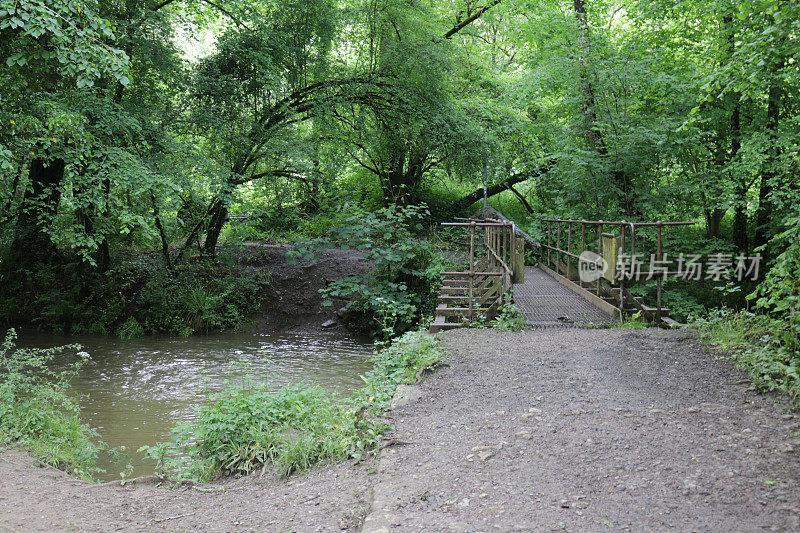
[[133, 392]]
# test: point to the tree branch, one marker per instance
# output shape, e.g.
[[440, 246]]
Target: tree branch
[[466, 201], [470, 19]]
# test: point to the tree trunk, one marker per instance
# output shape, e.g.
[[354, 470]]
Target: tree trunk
[[218, 216], [161, 232], [465, 201], [764, 212], [521, 199], [740, 238], [626, 196], [714, 222], [32, 240]]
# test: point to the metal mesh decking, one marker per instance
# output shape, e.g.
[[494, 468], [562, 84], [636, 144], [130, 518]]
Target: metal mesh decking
[[547, 303]]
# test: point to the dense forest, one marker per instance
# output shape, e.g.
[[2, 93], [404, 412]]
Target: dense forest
[[143, 140]]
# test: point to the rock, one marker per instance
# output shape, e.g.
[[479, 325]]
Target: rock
[[485, 455], [464, 503], [341, 313], [523, 435], [329, 323], [693, 410], [786, 448]]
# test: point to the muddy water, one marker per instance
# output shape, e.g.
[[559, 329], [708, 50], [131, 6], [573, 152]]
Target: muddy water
[[135, 391]]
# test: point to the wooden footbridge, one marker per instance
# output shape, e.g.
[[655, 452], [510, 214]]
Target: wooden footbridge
[[566, 288]]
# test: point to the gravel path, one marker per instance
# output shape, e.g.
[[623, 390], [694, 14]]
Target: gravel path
[[586, 430]]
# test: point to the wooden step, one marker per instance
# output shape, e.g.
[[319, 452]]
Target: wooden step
[[445, 310], [670, 322], [453, 299], [441, 324], [454, 290], [664, 310]]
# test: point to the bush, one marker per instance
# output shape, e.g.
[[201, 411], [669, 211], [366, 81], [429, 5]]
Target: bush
[[36, 410], [510, 317], [768, 349], [402, 286], [139, 297], [247, 427]]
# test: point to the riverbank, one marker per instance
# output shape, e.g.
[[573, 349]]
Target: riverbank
[[252, 286], [580, 430]]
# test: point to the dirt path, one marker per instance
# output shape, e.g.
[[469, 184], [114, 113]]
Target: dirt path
[[555, 429], [45, 499], [587, 430]]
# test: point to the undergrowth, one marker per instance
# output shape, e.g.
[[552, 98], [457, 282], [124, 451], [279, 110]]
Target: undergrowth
[[247, 427], [510, 317], [140, 296], [768, 349], [37, 412]]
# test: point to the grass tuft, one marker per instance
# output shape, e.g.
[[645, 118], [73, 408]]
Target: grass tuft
[[766, 348], [246, 427]]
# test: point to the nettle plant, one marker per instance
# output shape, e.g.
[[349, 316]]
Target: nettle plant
[[401, 286]]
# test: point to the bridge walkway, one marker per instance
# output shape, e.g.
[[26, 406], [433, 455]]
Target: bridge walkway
[[546, 302]]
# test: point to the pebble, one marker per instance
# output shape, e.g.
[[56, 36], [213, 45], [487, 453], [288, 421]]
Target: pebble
[[485, 455]]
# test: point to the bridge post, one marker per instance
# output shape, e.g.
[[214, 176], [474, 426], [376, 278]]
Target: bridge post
[[519, 261], [471, 267], [660, 278]]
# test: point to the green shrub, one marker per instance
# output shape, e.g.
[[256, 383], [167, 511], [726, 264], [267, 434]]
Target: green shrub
[[402, 285], [131, 329], [768, 349], [510, 317], [37, 411], [138, 297], [246, 426]]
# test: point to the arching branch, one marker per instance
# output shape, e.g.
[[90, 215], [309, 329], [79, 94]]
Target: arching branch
[[470, 19]]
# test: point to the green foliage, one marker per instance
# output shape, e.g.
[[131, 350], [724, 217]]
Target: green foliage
[[510, 317], [401, 286], [75, 35], [779, 293], [635, 321], [38, 412], [767, 349], [139, 297], [247, 427]]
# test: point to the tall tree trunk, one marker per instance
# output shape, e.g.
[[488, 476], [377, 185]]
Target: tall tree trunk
[[714, 221], [740, 238], [764, 212], [219, 214], [626, 196], [161, 232], [32, 240]]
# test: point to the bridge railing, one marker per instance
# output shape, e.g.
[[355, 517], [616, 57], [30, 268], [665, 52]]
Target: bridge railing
[[602, 247], [495, 260]]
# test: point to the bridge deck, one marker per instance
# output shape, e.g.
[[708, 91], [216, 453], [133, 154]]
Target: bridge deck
[[545, 302]]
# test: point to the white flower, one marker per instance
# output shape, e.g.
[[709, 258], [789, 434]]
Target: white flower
[[84, 355]]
